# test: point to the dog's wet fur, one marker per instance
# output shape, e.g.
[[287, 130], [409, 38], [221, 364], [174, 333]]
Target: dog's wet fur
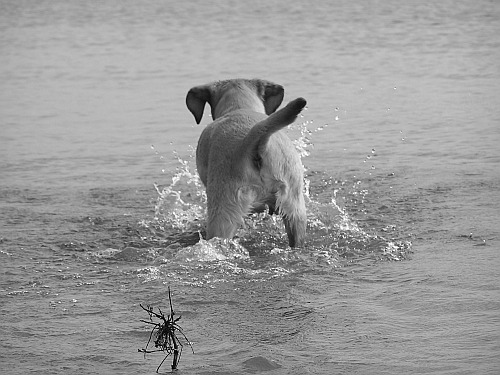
[[245, 162]]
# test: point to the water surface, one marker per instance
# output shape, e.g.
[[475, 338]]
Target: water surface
[[400, 270]]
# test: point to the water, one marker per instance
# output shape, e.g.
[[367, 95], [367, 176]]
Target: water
[[400, 271]]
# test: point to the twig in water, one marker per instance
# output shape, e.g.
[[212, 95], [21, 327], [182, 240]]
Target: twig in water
[[165, 338]]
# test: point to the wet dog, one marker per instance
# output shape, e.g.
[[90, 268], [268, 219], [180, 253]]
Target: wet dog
[[245, 162]]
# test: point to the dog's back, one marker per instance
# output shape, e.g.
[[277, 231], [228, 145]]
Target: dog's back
[[223, 138]]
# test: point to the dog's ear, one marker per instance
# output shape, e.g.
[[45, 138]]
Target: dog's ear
[[272, 95], [196, 99]]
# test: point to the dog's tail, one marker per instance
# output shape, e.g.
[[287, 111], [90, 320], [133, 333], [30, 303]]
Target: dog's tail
[[258, 136]]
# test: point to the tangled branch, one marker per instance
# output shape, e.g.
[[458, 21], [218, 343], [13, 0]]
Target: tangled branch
[[164, 332]]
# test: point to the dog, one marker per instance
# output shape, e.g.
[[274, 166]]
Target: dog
[[245, 162]]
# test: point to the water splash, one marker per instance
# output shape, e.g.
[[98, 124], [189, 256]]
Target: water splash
[[215, 249], [181, 205], [303, 143], [260, 251]]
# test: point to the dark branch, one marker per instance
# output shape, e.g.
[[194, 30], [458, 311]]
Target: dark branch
[[166, 339]]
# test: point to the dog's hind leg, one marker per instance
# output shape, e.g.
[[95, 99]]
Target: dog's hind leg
[[292, 208], [225, 219]]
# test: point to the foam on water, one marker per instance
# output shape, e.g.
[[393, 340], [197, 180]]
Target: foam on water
[[215, 249], [260, 250]]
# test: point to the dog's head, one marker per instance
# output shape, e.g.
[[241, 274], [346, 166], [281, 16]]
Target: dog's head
[[225, 96]]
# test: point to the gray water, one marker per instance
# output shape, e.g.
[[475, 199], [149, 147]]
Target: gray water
[[400, 272]]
